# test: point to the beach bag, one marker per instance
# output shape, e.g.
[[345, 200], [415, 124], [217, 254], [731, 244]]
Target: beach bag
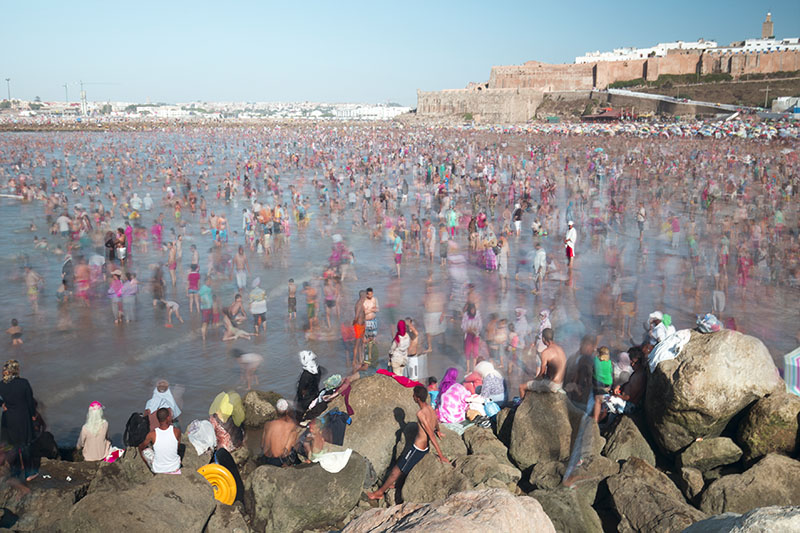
[[708, 323], [136, 430], [491, 408]]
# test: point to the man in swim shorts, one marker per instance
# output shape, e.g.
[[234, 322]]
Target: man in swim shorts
[[427, 432]]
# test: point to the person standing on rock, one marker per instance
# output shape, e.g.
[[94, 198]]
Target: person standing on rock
[[18, 412], [550, 377], [427, 432]]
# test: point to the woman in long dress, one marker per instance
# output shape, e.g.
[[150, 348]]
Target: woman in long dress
[[19, 411]]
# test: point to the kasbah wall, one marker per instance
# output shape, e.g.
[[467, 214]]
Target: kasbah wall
[[513, 92]]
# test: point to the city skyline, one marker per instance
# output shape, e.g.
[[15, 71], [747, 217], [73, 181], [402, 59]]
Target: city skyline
[[356, 52]]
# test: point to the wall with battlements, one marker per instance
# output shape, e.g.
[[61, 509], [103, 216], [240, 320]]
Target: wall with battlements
[[485, 105], [542, 77]]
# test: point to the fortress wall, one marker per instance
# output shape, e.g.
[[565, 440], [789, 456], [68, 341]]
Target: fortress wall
[[487, 105], [741, 64], [682, 63], [542, 77], [610, 71]]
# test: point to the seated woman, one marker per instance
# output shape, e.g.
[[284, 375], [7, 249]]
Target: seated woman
[[452, 399], [94, 435], [492, 388], [308, 383], [226, 415], [162, 397]]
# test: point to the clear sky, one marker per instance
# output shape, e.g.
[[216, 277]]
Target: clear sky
[[331, 51]]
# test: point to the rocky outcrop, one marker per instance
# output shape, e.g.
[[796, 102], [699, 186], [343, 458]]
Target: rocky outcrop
[[481, 441], [382, 408], [761, 520], [691, 482], [304, 497], [259, 407], [624, 440], [715, 376], [227, 519], [486, 510], [50, 498], [647, 501], [433, 480], [483, 471], [160, 504], [710, 453], [770, 426], [568, 510], [541, 430], [771, 481]]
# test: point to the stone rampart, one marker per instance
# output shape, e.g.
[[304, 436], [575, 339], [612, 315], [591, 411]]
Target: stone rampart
[[485, 105]]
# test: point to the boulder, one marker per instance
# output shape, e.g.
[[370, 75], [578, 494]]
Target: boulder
[[431, 480], [710, 453], [160, 504], [485, 510], [771, 481], [227, 519], [760, 520], [586, 438], [568, 511], [484, 469], [547, 474], [715, 377], [647, 501], [481, 441], [303, 497], [770, 426], [624, 440], [259, 408], [691, 482], [382, 408], [504, 421], [50, 498], [588, 473], [541, 430]]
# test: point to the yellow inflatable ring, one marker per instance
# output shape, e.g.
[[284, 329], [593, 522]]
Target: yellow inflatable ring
[[221, 481]]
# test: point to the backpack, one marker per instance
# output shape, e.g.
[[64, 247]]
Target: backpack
[[136, 430]]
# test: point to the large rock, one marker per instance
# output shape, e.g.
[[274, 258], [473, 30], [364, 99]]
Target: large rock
[[541, 430], [382, 408], [647, 501], [481, 441], [770, 426], [431, 480], [625, 440], [715, 376], [486, 510], [484, 471], [771, 481], [164, 503], [259, 407], [303, 497], [691, 482], [227, 519], [710, 453], [50, 498], [568, 510], [547, 474], [762, 520]]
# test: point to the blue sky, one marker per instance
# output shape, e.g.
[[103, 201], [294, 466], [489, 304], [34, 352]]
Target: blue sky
[[174, 51]]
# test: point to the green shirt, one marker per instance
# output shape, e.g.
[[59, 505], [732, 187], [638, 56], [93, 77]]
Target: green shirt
[[603, 371]]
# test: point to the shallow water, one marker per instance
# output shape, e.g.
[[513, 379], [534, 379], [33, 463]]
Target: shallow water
[[95, 359]]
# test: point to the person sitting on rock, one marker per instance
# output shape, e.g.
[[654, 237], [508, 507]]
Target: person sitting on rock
[[427, 432], [624, 399], [550, 377], [93, 439], [159, 450], [279, 438]]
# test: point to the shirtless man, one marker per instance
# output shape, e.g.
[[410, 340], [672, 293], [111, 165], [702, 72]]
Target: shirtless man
[[172, 261], [279, 439], [292, 299], [434, 315], [311, 304], [371, 309], [236, 310], [242, 268], [550, 377], [359, 328], [427, 432], [32, 282]]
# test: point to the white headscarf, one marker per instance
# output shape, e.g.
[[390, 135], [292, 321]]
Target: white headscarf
[[163, 399], [486, 368], [308, 360]]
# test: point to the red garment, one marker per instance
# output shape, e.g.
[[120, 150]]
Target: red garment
[[402, 380]]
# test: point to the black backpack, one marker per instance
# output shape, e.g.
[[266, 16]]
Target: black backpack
[[136, 430]]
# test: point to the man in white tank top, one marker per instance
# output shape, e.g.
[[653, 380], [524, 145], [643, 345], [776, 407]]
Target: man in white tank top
[[163, 457]]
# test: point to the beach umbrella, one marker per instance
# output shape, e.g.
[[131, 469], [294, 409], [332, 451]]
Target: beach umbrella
[[791, 371]]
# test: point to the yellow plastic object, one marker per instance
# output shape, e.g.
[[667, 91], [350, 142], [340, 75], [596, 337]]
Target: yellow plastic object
[[221, 481]]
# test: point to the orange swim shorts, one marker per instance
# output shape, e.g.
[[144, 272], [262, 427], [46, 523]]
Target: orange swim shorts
[[359, 330]]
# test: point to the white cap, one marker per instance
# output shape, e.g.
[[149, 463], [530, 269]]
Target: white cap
[[570, 223], [656, 315], [281, 406]]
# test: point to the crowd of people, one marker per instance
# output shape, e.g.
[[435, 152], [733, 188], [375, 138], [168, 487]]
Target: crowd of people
[[519, 260]]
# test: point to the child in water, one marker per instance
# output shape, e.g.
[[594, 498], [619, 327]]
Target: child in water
[[15, 331]]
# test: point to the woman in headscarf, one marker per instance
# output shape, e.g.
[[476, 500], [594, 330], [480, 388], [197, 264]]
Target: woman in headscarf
[[452, 399], [18, 410], [308, 384], [94, 435], [226, 414], [398, 353], [162, 397], [492, 387]]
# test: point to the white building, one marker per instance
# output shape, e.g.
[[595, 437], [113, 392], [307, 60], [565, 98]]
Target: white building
[[659, 50], [750, 46]]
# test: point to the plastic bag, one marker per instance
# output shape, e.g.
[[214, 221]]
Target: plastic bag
[[201, 435]]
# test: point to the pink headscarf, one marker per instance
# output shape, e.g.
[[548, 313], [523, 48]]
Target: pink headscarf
[[401, 330]]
